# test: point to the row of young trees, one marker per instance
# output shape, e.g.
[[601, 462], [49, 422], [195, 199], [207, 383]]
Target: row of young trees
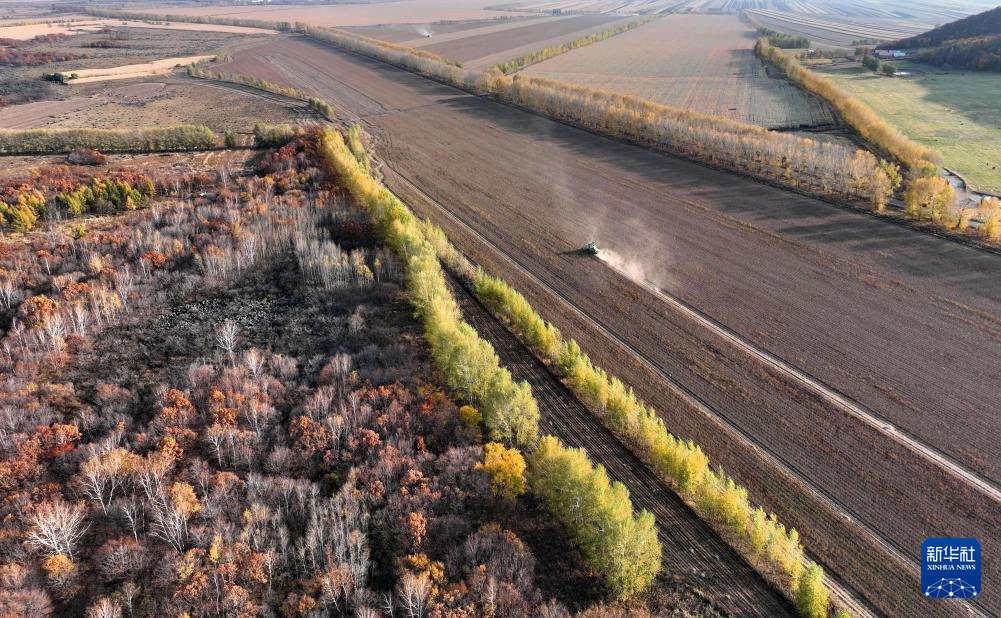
[[856, 113], [791, 160], [783, 40], [617, 543], [197, 69], [147, 139], [712, 493], [521, 62], [620, 544]]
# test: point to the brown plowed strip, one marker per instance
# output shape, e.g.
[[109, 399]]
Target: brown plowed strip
[[691, 549], [469, 49], [907, 324]]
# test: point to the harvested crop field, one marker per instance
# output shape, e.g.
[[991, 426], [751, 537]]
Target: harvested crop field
[[700, 62], [153, 104], [869, 307], [129, 71], [825, 31], [416, 35], [364, 14], [482, 50], [84, 27]]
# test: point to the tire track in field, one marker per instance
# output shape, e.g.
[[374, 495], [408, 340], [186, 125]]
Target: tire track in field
[[852, 407], [691, 549]]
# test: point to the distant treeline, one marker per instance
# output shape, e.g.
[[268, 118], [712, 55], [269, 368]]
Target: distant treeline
[[157, 139], [984, 24], [543, 54], [979, 54], [782, 40], [973, 42]]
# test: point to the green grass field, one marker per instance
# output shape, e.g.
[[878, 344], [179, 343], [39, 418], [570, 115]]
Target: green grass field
[[956, 113]]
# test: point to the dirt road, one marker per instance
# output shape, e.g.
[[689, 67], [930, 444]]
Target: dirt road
[[906, 325]]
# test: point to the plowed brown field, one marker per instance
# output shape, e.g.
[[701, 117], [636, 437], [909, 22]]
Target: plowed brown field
[[699, 62], [906, 324], [360, 14], [488, 49]]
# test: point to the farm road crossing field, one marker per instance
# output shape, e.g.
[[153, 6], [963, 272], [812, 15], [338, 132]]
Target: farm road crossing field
[[699, 62], [870, 308]]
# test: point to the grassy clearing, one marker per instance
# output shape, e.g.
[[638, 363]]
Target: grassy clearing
[[956, 113]]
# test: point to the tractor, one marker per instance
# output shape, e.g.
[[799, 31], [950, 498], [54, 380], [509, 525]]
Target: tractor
[[590, 248]]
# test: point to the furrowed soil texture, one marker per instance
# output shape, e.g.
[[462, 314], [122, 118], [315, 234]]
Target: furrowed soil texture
[[483, 50], [362, 14], [906, 324], [699, 62], [836, 31], [416, 35]]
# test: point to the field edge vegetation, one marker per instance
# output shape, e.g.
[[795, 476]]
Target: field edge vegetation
[[137, 140], [621, 545], [926, 195]]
